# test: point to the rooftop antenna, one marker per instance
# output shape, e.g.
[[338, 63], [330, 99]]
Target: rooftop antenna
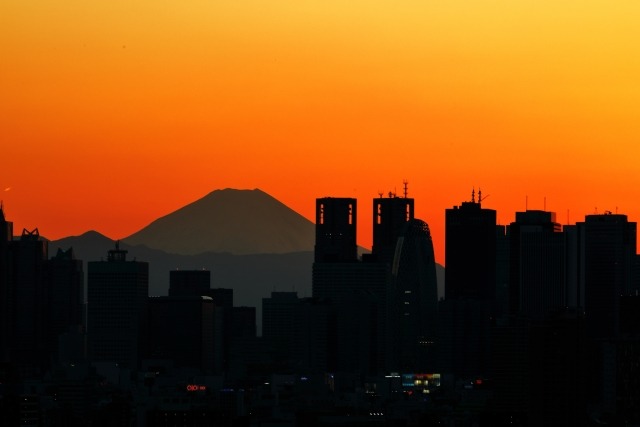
[[473, 195], [380, 194], [405, 183], [480, 198]]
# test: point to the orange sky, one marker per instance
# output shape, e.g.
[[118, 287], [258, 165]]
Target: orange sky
[[114, 113]]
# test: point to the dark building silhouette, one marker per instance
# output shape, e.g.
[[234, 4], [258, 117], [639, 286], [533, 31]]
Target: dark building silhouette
[[609, 243], [537, 256], [222, 297], [243, 322], [358, 285], [389, 218], [117, 292], [502, 271], [416, 298], [189, 283], [315, 335], [558, 376], [336, 230], [27, 304], [64, 279], [468, 310], [338, 275], [6, 306], [197, 283], [223, 300], [278, 323], [470, 251], [40, 301], [182, 330]]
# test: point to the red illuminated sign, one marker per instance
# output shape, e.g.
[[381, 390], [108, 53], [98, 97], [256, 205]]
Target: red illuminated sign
[[196, 387]]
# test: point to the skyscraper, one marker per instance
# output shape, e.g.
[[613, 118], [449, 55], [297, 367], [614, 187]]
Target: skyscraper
[[390, 216], [6, 235], [609, 254], [415, 298], [117, 308], [470, 289], [182, 329], [64, 279], [537, 256], [341, 278], [189, 282], [470, 251], [336, 230], [27, 304]]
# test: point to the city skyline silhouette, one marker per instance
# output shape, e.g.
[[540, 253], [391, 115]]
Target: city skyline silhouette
[[144, 108]]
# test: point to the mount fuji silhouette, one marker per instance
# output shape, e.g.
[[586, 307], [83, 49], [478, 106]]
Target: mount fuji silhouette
[[239, 222]]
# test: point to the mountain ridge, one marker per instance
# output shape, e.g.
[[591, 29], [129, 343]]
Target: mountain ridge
[[240, 222]]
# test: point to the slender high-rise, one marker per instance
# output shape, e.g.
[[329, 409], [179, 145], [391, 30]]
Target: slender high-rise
[[609, 245], [470, 289], [415, 300], [6, 235], [537, 256], [470, 251], [117, 292]]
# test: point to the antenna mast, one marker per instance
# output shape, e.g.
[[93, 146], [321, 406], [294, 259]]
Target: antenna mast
[[405, 183]]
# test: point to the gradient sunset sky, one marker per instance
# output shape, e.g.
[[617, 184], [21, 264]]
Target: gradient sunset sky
[[113, 113]]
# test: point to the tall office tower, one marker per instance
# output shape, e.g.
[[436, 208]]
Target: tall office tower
[[198, 283], [64, 279], [27, 303], [470, 251], [390, 215], [6, 236], [336, 230], [338, 275], [117, 308], [537, 255], [609, 245], [189, 282], [278, 323], [416, 298], [223, 300], [314, 322], [470, 289], [370, 282], [181, 328], [502, 271], [574, 266]]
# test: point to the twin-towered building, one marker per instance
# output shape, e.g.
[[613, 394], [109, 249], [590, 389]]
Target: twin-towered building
[[386, 302]]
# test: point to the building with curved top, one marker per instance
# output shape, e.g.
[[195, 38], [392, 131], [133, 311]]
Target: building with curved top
[[416, 297]]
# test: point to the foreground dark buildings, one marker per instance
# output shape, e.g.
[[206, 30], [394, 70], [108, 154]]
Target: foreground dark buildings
[[539, 325]]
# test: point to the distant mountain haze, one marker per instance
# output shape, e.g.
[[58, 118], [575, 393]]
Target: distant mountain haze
[[239, 222]]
